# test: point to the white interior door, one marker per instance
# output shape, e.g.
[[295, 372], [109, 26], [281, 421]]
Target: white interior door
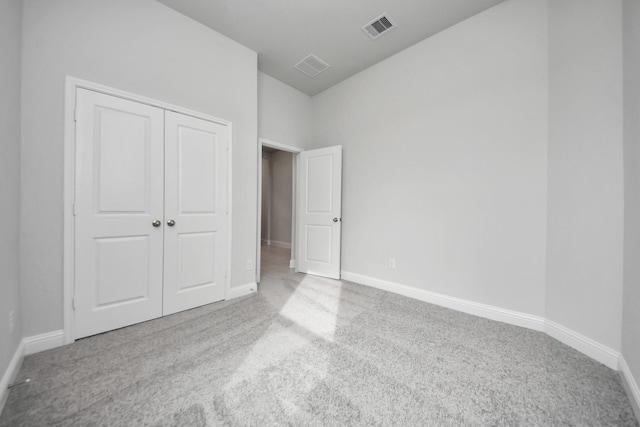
[[196, 223], [319, 211], [119, 196]]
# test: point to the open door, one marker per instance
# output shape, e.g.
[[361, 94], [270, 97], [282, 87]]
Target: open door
[[319, 212]]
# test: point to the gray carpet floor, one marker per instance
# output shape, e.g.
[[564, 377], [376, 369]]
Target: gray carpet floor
[[311, 351]]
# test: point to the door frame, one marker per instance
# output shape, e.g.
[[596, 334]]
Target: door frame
[[72, 84], [263, 142]]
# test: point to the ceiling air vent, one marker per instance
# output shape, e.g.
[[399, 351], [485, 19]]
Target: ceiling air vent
[[312, 65], [378, 26]]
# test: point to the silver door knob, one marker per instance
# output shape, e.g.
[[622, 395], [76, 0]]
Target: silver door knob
[[171, 223], [156, 223], [335, 219]]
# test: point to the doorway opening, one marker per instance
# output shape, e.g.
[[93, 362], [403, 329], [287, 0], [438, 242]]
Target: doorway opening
[[277, 193], [277, 206], [313, 243]]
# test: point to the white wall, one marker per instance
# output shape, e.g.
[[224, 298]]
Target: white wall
[[631, 292], [139, 46], [10, 39], [445, 160], [585, 217], [284, 113]]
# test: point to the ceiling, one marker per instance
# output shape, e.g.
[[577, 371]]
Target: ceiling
[[284, 32]]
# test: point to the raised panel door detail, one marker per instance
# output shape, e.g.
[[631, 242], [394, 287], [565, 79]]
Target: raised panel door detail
[[122, 155], [122, 266], [319, 184], [197, 260], [197, 165], [319, 243]]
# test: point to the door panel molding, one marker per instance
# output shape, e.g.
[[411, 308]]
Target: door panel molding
[[72, 84]]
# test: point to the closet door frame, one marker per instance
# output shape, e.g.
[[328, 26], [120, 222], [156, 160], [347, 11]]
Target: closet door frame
[[72, 84]]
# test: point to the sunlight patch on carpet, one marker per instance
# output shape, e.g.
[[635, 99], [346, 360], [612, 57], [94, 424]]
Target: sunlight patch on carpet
[[313, 313]]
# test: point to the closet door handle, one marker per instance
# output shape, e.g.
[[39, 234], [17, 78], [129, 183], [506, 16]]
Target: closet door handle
[[171, 223], [156, 223]]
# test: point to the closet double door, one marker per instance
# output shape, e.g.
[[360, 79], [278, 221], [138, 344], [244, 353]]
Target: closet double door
[[150, 212]]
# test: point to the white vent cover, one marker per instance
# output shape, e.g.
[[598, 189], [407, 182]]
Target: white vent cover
[[312, 65], [378, 26]]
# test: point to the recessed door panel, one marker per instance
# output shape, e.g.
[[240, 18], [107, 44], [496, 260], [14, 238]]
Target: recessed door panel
[[197, 166], [196, 206], [127, 282], [319, 206], [122, 144], [319, 243], [197, 260], [119, 194], [319, 186]]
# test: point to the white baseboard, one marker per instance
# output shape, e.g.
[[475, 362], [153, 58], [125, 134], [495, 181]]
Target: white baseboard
[[465, 306], [277, 244], [583, 344], [42, 342], [10, 374], [631, 385], [292, 263], [242, 290], [27, 346]]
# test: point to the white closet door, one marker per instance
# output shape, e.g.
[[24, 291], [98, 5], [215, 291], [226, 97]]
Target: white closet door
[[319, 211], [119, 196], [196, 223]]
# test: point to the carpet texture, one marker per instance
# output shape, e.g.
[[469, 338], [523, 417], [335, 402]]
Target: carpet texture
[[311, 351]]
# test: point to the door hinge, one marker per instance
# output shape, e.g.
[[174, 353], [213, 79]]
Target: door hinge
[[75, 114], [74, 209], [73, 302]]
